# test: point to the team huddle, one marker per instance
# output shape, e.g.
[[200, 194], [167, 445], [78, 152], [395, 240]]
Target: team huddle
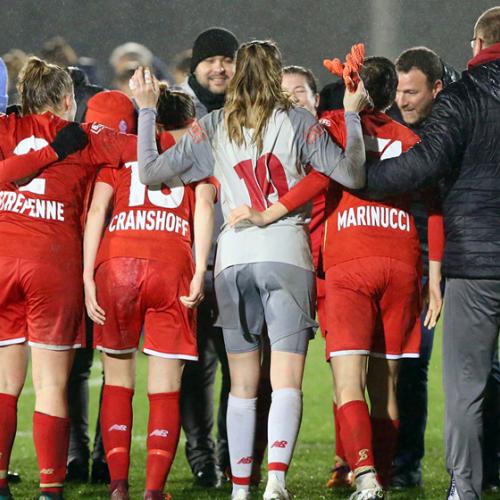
[[116, 217]]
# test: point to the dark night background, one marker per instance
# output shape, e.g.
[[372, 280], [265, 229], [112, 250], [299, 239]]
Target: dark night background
[[306, 31]]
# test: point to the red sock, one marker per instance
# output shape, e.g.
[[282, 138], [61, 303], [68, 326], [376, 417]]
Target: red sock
[[339, 447], [356, 434], [8, 426], [163, 435], [51, 437], [116, 429], [385, 437]]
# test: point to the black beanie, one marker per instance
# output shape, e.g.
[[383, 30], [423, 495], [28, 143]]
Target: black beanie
[[213, 42]]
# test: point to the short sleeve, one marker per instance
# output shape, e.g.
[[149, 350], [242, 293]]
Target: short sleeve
[[107, 175], [109, 148]]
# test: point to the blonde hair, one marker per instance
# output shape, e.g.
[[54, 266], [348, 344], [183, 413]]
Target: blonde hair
[[254, 91], [42, 85]]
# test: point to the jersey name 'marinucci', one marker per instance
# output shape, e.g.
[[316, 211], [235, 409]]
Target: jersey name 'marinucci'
[[11, 201], [376, 216]]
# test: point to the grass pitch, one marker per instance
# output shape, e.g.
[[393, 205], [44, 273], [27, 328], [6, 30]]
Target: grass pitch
[[313, 454]]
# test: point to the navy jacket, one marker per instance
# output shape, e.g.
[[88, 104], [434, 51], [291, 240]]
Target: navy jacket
[[460, 148]]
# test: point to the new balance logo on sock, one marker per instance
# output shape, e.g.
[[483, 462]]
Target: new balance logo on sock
[[47, 471], [280, 444], [117, 427], [163, 433], [245, 460]]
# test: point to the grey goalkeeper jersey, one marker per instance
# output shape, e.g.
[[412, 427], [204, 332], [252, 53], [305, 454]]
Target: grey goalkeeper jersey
[[293, 142]]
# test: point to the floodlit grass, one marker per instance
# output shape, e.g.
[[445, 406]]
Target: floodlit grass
[[313, 455]]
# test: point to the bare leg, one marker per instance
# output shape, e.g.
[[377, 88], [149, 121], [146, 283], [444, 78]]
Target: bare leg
[[50, 372], [13, 366], [119, 369], [382, 382]]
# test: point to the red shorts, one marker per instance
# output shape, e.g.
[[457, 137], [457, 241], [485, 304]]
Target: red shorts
[[373, 307], [41, 302], [141, 292], [321, 304]]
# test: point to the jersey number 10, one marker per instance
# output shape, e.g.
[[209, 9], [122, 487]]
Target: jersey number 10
[[266, 184]]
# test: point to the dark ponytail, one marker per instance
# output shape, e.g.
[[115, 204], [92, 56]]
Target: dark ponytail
[[175, 109]]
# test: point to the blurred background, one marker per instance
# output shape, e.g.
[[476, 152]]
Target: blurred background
[[306, 31]]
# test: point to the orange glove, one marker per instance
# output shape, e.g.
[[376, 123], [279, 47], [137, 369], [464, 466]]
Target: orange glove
[[350, 69]]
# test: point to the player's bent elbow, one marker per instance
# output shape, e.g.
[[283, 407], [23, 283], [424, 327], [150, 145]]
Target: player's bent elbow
[[144, 177], [356, 182]]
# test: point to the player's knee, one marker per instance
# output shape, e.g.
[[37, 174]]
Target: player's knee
[[12, 384]]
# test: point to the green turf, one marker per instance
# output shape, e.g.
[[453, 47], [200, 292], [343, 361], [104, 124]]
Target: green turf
[[313, 455]]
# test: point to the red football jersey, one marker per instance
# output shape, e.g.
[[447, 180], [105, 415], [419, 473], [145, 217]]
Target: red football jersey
[[356, 227], [149, 222], [42, 218]]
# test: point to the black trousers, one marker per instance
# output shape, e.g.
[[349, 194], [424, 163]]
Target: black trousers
[[78, 403]]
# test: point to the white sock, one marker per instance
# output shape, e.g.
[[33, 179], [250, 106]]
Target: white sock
[[285, 415], [240, 422], [367, 480]]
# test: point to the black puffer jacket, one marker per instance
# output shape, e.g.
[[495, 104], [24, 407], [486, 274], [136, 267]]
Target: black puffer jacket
[[461, 148]]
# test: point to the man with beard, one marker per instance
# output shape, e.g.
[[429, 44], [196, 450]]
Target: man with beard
[[212, 67], [460, 148]]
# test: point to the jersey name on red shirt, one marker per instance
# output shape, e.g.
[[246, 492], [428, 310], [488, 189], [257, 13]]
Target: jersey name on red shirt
[[150, 222], [41, 219], [363, 228]]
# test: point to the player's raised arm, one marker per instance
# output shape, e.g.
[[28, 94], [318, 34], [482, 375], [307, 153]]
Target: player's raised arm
[[191, 158], [68, 140]]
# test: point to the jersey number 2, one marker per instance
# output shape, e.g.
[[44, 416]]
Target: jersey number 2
[[36, 185]]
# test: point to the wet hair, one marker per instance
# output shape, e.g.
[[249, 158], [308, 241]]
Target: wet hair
[[488, 26], [175, 109], [305, 72], [42, 85], [381, 81], [423, 59], [255, 90]]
